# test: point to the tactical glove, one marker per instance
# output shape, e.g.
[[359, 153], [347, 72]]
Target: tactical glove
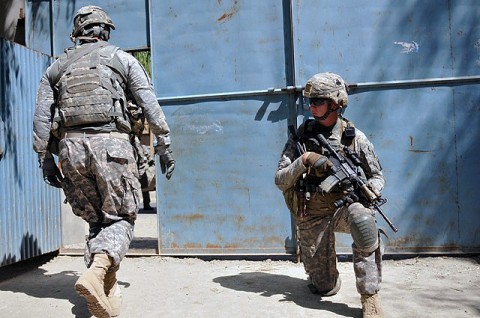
[[167, 162], [319, 162], [51, 174]]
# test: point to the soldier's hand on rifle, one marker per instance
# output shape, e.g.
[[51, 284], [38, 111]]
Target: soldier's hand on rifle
[[167, 162], [317, 161], [371, 186], [51, 174]]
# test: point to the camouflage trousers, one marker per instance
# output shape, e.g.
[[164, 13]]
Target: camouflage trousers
[[317, 247], [101, 184]]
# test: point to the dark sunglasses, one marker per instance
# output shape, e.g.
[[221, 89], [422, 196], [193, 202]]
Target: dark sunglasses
[[318, 101]]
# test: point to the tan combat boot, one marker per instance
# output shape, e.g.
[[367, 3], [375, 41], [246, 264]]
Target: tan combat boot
[[90, 286], [371, 306], [113, 292]]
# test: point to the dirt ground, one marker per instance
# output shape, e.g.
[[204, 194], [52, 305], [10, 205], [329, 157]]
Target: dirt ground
[[191, 287]]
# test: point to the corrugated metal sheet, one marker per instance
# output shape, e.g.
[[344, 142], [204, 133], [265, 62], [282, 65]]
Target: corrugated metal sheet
[[29, 210]]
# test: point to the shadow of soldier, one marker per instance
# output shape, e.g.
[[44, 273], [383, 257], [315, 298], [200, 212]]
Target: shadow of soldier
[[293, 290], [30, 278]]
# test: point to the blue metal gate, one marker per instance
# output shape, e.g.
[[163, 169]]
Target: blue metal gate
[[213, 72], [417, 112], [228, 74], [413, 63]]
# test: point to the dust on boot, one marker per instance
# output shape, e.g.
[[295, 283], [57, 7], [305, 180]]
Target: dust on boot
[[90, 286], [113, 292], [371, 306]]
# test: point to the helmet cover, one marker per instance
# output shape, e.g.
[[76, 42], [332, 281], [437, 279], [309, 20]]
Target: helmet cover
[[90, 15], [327, 85]]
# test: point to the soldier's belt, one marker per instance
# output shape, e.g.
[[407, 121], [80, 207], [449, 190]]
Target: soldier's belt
[[312, 188], [82, 134]]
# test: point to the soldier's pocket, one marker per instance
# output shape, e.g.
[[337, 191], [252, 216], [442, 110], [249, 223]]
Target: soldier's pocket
[[78, 201], [120, 153], [131, 197]]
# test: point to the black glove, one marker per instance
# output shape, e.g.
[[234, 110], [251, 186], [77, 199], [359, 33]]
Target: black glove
[[51, 174], [167, 162]]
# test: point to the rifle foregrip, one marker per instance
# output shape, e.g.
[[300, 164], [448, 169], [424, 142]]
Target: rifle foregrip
[[368, 193]]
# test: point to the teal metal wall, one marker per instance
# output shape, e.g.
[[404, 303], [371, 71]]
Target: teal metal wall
[[29, 210]]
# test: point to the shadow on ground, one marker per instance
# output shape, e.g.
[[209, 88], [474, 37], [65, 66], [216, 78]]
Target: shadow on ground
[[292, 289], [29, 278]]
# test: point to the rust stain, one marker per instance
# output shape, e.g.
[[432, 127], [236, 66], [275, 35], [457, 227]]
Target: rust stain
[[240, 219], [209, 245], [273, 240], [190, 217], [228, 14], [192, 245]]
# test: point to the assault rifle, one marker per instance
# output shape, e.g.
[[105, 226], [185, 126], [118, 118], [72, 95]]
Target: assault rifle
[[345, 169]]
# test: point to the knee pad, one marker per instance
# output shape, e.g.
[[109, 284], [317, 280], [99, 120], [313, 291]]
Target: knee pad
[[364, 231]]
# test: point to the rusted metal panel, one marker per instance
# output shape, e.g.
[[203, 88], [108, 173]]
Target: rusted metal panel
[[418, 66], [221, 199], [203, 47], [29, 210], [213, 65]]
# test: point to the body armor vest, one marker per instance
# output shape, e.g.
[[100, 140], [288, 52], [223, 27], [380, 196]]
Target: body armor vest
[[307, 196], [307, 133], [89, 86]]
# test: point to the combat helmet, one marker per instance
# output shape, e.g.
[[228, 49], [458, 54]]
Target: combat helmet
[[90, 16], [327, 85]]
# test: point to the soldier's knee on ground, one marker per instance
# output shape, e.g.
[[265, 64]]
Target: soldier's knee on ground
[[363, 228], [326, 291]]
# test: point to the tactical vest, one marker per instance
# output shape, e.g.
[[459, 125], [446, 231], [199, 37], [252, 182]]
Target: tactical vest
[[89, 83], [310, 128], [305, 134]]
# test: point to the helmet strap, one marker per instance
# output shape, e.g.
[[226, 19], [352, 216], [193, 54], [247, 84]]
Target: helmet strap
[[329, 111]]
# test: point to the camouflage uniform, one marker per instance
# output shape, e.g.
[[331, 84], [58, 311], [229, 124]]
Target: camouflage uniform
[[101, 176], [316, 230]]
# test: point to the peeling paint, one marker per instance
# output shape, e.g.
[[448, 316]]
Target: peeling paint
[[214, 127], [408, 47]]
